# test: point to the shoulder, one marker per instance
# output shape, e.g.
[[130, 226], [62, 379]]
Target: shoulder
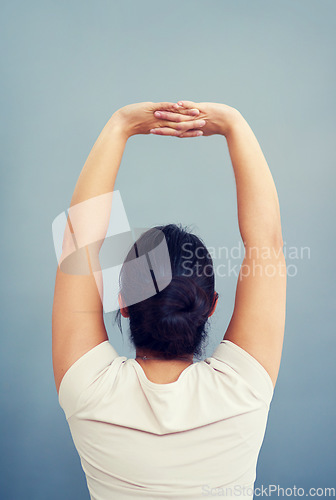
[[239, 370], [83, 376]]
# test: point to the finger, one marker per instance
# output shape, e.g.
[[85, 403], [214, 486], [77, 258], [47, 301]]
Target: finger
[[185, 125], [176, 109], [180, 126], [183, 111], [174, 117], [191, 111], [191, 133], [165, 106], [173, 107], [186, 105], [164, 131], [176, 133]]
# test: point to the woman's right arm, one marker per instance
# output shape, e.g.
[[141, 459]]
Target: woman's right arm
[[258, 320]]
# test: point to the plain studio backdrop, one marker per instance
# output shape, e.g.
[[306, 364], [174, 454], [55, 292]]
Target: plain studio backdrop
[[66, 67]]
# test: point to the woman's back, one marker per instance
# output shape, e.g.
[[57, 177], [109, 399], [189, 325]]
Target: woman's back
[[192, 438]]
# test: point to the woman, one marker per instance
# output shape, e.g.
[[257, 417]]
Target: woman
[[160, 426]]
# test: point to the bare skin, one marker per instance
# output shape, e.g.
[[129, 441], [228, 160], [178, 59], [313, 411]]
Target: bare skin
[[163, 371]]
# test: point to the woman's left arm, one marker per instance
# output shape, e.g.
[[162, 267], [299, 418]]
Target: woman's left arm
[[77, 315]]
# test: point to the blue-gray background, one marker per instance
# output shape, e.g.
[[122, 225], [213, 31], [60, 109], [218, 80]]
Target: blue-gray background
[[66, 67]]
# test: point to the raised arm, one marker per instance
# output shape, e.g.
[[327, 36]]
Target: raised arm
[[77, 316], [258, 320]]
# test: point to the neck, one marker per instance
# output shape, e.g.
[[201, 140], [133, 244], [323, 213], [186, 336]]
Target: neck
[[160, 370], [146, 355]]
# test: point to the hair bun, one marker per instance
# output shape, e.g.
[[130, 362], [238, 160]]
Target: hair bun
[[183, 307], [183, 295]]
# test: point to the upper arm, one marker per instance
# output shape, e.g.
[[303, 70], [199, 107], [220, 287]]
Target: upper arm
[[77, 318], [258, 320]]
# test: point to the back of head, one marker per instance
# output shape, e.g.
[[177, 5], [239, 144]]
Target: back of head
[[173, 322]]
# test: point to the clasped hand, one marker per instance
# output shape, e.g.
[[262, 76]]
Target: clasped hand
[[163, 118], [182, 119]]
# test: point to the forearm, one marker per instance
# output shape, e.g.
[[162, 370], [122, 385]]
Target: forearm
[[257, 199], [91, 201], [100, 170]]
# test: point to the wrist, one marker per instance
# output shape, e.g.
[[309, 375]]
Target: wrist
[[118, 125], [230, 118]]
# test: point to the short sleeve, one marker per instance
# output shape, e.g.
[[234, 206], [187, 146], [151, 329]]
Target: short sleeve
[[228, 354], [82, 374]]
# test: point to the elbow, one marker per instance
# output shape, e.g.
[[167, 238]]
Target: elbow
[[271, 238], [277, 239]]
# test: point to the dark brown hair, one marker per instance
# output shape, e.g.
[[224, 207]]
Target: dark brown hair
[[172, 322]]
